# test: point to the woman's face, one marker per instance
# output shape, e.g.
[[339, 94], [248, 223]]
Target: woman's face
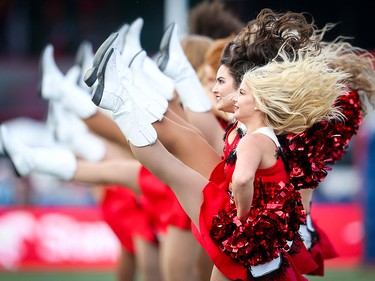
[[244, 104], [224, 90]]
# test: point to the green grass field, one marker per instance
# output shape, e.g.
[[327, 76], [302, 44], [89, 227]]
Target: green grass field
[[356, 275]]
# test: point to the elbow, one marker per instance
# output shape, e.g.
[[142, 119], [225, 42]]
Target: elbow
[[243, 182]]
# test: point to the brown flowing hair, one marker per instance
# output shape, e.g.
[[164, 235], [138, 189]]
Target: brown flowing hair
[[260, 40]]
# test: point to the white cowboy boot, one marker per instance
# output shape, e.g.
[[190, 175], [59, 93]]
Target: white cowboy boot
[[92, 74], [84, 59], [307, 231], [65, 90], [116, 41], [1, 147], [75, 98], [88, 147], [132, 43], [154, 104], [127, 42], [55, 161], [123, 30], [115, 93], [66, 124], [150, 99], [71, 132], [32, 132], [132, 46], [51, 74], [163, 84], [173, 63]]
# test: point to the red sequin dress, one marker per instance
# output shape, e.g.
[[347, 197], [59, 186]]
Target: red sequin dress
[[241, 249]]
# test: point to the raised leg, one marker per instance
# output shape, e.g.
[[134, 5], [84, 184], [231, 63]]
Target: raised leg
[[186, 183]]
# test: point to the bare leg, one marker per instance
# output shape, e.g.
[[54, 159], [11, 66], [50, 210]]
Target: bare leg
[[187, 145], [147, 255], [186, 183], [179, 253], [217, 275], [181, 138], [175, 106], [118, 171], [204, 266], [307, 228], [306, 198], [178, 115], [116, 151], [126, 270], [207, 123], [104, 126]]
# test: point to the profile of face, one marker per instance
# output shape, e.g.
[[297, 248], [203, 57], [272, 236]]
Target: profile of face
[[245, 106], [224, 90]]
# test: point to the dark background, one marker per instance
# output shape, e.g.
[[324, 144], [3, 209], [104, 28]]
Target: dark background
[[26, 26]]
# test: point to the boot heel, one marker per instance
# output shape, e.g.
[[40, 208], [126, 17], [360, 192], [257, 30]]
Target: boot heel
[[98, 93], [92, 74], [3, 130], [6, 154], [162, 60]]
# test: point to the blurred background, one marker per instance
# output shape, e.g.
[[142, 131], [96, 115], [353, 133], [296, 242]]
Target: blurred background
[[31, 208]]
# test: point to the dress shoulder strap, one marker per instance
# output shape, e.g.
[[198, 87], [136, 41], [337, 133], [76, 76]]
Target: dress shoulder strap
[[269, 133]]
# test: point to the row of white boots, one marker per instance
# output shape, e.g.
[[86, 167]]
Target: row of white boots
[[120, 77]]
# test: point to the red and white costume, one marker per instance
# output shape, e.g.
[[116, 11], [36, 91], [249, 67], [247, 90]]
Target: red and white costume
[[258, 247]]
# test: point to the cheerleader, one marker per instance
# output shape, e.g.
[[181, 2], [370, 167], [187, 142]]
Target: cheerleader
[[246, 51], [295, 21], [260, 206]]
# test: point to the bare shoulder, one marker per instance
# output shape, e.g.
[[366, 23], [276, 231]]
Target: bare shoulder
[[257, 138], [255, 141]]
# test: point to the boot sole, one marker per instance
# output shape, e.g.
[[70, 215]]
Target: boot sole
[[92, 74], [163, 59], [39, 87], [6, 154], [98, 93]]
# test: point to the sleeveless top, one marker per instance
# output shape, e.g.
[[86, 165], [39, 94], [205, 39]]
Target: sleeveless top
[[275, 216], [266, 174], [229, 150]]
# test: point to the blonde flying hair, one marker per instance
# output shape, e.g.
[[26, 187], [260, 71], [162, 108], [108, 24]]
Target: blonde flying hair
[[357, 61], [360, 64], [295, 93]]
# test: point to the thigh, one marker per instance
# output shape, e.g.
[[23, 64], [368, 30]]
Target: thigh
[[218, 276]]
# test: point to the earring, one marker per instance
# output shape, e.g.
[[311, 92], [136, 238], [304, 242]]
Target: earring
[[255, 108]]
